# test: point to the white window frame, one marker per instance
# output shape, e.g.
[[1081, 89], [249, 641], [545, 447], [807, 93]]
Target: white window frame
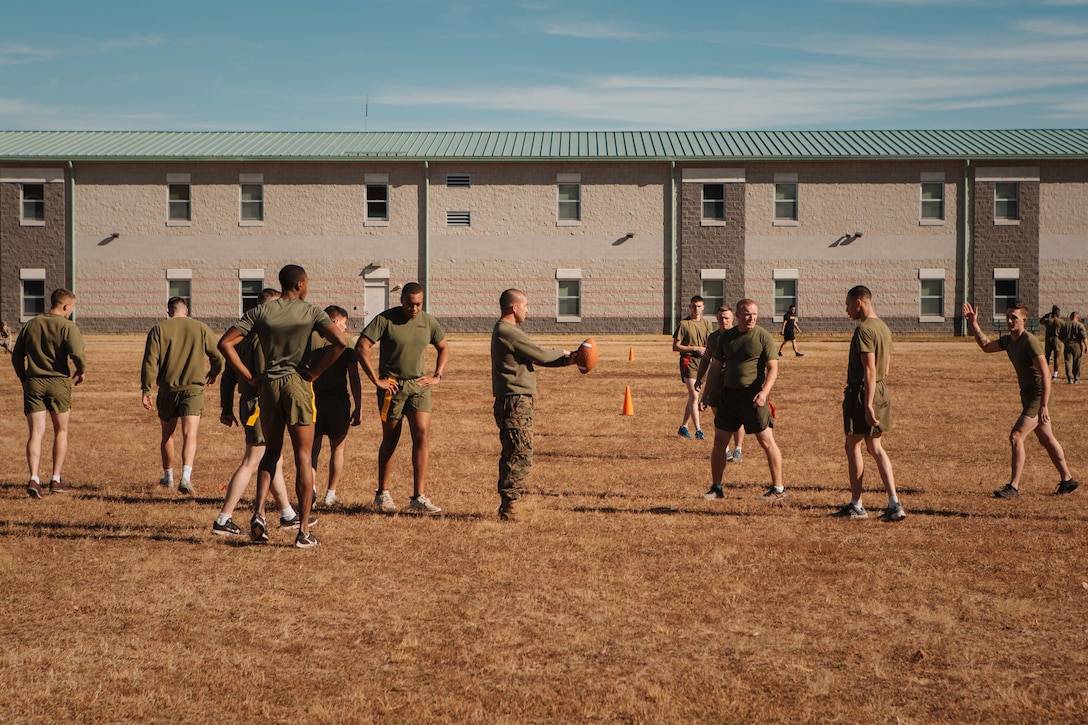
[[562, 180], [568, 275], [712, 221], [930, 179], [375, 181], [930, 275], [249, 276], [173, 180], [1004, 274], [1007, 220], [704, 176], [784, 275], [715, 277], [24, 220], [245, 180], [35, 276], [785, 180]]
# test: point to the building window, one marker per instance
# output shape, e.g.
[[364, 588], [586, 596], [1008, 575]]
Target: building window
[[33, 204], [713, 202], [179, 283], [570, 202], [377, 202], [181, 203], [785, 294], [33, 297], [1006, 291], [251, 293], [931, 299], [785, 201], [252, 203], [568, 286], [932, 201], [1006, 201], [458, 219], [713, 289]]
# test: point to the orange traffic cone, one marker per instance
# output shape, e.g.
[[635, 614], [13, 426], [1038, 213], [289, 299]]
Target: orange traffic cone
[[631, 353], [628, 406]]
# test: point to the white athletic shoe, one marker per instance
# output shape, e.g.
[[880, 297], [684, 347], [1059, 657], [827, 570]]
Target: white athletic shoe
[[383, 501], [422, 503]]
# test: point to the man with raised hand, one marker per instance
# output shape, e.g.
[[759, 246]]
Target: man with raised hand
[[40, 358], [283, 328], [174, 361], [1033, 375]]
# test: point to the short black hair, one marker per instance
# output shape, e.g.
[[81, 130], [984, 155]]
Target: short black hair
[[290, 276], [334, 311], [412, 288], [173, 302], [860, 292]]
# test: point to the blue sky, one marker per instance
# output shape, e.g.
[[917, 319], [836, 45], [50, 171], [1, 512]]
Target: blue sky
[[543, 65]]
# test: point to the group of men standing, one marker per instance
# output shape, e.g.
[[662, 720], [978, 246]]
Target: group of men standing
[[1064, 340]]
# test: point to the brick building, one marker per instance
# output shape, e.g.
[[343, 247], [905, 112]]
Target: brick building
[[607, 232]]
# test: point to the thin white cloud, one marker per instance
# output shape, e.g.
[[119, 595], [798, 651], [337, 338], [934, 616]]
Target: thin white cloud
[[21, 54], [594, 30], [1055, 27]]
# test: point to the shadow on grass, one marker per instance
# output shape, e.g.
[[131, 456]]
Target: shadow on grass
[[72, 531]]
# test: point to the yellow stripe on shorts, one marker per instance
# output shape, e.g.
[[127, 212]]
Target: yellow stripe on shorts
[[252, 420], [313, 401], [388, 400]]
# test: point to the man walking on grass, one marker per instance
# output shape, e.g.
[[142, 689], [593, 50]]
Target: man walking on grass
[[866, 407], [40, 358], [173, 360], [1033, 374]]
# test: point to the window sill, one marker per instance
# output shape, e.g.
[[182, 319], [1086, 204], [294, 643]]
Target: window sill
[[245, 223], [376, 223], [567, 318], [1006, 223], [923, 318], [568, 222], [931, 222], [179, 223], [30, 223], [786, 223], [713, 223]]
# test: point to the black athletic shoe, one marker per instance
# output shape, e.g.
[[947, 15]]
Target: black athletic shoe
[[305, 541], [1009, 491], [1067, 486], [228, 529], [258, 529]]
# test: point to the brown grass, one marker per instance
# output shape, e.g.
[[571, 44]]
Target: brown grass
[[623, 597]]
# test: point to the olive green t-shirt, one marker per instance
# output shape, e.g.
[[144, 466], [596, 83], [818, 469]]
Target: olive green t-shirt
[[283, 330], [1075, 332], [249, 349], [872, 335], [693, 332], [402, 342], [513, 356], [1053, 325], [44, 346], [174, 355], [334, 381], [1022, 353], [745, 356]]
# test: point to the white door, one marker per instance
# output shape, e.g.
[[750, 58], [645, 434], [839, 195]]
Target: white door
[[375, 299]]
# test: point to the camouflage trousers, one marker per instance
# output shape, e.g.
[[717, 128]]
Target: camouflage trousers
[[514, 418]]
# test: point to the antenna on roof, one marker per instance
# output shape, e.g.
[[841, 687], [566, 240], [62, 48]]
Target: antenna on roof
[[366, 112]]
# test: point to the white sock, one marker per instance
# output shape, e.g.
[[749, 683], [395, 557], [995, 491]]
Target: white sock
[[779, 489], [288, 513], [56, 478], [892, 502], [330, 494], [222, 519], [857, 504], [35, 479], [187, 473], [168, 474]]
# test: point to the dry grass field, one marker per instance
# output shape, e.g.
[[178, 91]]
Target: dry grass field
[[623, 596]]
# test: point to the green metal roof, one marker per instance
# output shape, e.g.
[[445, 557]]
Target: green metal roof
[[539, 145]]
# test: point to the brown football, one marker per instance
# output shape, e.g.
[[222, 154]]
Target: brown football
[[586, 355]]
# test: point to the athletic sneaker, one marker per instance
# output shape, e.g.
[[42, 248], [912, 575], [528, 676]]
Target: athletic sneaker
[[1009, 491], [713, 493], [1067, 486], [850, 511], [728, 454], [1054, 377], [383, 501], [228, 529], [292, 522], [684, 432], [422, 503], [186, 487], [166, 482], [700, 436], [258, 529], [305, 541], [799, 354], [779, 353], [894, 514], [331, 499], [61, 487], [738, 455], [773, 494], [33, 489]]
